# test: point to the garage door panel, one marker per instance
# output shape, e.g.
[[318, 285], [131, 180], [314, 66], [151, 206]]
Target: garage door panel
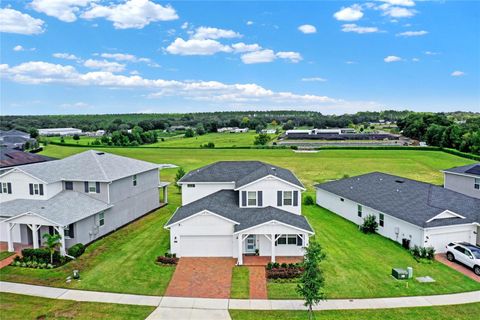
[[206, 246], [440, 240]]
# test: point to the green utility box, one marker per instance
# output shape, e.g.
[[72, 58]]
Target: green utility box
[[400, 274]]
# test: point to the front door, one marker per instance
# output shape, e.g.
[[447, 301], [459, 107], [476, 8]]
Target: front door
[[251, 244]]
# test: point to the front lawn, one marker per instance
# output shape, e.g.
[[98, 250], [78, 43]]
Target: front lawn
[[457, 312], [240, 283], [20, 307], [357, 265], [5, 254]]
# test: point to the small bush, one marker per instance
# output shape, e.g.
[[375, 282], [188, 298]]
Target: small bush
[[269, 266], [369, 225], [427, 253], [283, 271], [167, 260], [308, 201], [76, 250]]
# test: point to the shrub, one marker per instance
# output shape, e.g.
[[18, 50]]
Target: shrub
[[167, 260], [283, 265], [76, 250], [369, 225], [308, 201], [283, 271], [269, 266], [427, 253]]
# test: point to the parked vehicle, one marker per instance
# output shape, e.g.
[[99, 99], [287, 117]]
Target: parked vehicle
[[465, 253]]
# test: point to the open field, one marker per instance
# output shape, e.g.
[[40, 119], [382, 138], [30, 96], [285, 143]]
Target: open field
[[20, 307], [124, 261], [458, 312]]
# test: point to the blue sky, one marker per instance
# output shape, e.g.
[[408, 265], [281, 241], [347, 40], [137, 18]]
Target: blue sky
[[94, 56]]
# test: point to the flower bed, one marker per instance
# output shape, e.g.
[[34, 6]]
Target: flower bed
[[284, 271], [39, 259], [168, 259]]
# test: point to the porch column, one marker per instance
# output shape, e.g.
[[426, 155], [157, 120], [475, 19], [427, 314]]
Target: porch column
[[306, 239], [240, 251], [34, 229], [61, 232], [165, 194], [9, 237], [273, 246]]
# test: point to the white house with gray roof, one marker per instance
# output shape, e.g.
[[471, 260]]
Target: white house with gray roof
[[407, 211], [81, 197], [464, 179], [234, 208]]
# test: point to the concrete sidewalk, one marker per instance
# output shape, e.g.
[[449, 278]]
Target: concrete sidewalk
[[202, 308]]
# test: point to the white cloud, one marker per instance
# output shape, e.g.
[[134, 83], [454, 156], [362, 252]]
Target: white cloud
[[184, 26], [351, 27], [76, 105], [104, 65], [397, 12], [64, 10], [37, 72], [124, 57], [350, 62], [307, 28], [457, 73], [249, 23], [314, 79], [13, 21], [18, 48], [203, 33], [67, 56], [389, 59], [431, 53], [352, 13], [415, 59], [412, 33], [262, 56], [132, 14], [405, 3], [196, 47], [242, 47], [290, 55]]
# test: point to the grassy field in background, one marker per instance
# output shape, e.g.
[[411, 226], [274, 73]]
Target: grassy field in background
[[457, 312], [357, 265], [20, 307]]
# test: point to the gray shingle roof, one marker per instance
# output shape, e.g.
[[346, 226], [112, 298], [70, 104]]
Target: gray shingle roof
[[471, 169], [239, 172], [64, 208], [10, 157], [90, 165], [410, 200], [225, 203]]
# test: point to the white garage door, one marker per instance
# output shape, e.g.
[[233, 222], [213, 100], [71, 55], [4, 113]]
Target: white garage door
[[440, 240], [206, 246]]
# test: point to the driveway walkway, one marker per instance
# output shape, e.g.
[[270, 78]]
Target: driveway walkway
[[258, 282], [202, 277], [441, 257]]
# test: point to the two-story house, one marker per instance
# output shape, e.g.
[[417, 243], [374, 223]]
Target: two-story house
[[232, 208], [81, 197], [464, 179]]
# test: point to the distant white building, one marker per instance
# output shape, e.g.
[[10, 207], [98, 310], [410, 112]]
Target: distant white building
[[100, 133], [232, 130], [269, 131], [320, 131], [59, 131]]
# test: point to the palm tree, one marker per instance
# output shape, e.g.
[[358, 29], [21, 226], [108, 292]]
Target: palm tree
[[52, 241]]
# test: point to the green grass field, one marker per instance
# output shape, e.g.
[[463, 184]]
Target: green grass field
[[240, 283], [20, 307], [458, 312], [5, 254], [357, 266]]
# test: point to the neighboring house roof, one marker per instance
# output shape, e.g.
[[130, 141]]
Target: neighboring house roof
[[239, 172], [225, 203], [14, 132], [409, 200], [64, 208], [90, 165], [10, 157], [470, 169]]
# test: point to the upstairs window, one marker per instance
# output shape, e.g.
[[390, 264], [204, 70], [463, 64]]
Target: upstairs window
[[92, 187], [251, 198], [381, 219], [101, 219], [476, 184], [36, 189], [359, 210], [287, 198], [6, 187], [134, 180]]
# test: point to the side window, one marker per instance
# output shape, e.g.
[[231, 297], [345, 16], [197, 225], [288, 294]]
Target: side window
[[190, 185], [134, 180], [252, 198], [287, 198], [68, 185], [6, 187], [460, 249], [101, 219], [468, 254], [36, 189], [381, 220], [476, 184], [92, 187], [359, 210]]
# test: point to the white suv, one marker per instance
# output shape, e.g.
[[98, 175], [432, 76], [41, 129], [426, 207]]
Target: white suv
[[465, 253]]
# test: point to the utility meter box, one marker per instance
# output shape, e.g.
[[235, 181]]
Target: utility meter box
[[400, 274]]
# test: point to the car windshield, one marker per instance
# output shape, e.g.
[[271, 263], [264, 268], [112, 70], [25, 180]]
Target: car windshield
[[476, 253]]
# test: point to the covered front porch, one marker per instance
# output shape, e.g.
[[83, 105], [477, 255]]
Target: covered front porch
[[271, 242]]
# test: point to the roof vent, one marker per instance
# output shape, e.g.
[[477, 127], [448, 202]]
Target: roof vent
[[100, 153], [399, 181], [274, 170]]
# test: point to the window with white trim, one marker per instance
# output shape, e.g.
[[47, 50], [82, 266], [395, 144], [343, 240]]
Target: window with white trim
[[92, 187], [68, 231], [381, 219], [287, 198], [134, 180], [101, 219], [289, 239], [6, 187], [191, 185], [476, 184], [359, 210], [252, 198], [36, 188]]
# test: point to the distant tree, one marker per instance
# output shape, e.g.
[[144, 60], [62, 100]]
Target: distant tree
[[189, 133], [27, 145], [312, 281], [62, 139], [369, 225], [33, 133], [200, 130], [76, 137], [289, 125], [274, 123], [178, 176], [259, 128], [262, 139]]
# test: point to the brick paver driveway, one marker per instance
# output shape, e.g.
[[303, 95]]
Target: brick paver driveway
[[459, 267], [202, 278]]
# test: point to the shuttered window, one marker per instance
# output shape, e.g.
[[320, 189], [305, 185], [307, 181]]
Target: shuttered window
[[279, 198], [260, 198], [244, 198], [6, 187], [287, 198], [251, 198], [36, 189]]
